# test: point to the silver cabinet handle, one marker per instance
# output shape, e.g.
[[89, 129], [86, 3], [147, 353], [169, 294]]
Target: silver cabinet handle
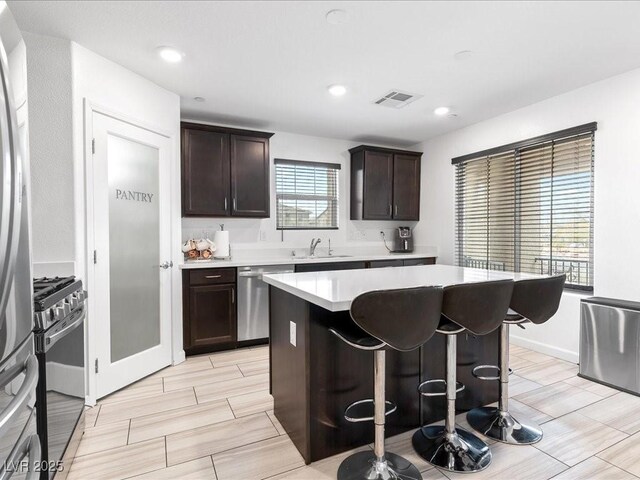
[[213, 276], [233, 295], [235, 204], [25, 392], [396, 213], [29, 447], [225, 204], [390, 210]]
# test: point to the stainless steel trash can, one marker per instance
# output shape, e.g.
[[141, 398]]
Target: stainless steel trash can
[[610, 342]]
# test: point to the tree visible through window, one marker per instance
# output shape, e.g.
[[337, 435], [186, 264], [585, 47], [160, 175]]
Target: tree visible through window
[[528, 207], [306, 195]]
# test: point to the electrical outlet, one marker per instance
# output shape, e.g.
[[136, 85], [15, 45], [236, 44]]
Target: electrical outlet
[[292, 333]]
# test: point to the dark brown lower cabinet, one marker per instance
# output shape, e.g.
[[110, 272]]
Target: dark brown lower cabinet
[[384, 263], [326, 267], [419, 261], [209, 310], [209, 302]]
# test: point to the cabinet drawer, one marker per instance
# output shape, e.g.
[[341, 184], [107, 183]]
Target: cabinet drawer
[[211, 276]]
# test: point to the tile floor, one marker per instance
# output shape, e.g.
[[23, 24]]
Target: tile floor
[[211, 418]]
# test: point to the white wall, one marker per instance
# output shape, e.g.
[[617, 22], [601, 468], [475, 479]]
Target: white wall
[[246, 233], [613, 103], [51, 148]]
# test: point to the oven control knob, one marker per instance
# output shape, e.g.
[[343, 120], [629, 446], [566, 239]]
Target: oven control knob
[[62, 310], [73, 301]]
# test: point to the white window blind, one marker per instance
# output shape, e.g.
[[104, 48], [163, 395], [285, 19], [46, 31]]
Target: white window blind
[[306, 195], [528, 207]]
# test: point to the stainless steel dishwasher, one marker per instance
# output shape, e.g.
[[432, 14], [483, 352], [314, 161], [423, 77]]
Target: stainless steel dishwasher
[[253, 301]]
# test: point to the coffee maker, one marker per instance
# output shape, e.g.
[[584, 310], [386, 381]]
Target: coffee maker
[[403, 240]]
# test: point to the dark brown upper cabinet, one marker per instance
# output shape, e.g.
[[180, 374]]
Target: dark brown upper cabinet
[[250, 176], [385, 184], [225, 172]]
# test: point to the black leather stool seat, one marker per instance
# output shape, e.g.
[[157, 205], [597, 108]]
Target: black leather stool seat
[[537, 299], [446, 326], [352, 334]]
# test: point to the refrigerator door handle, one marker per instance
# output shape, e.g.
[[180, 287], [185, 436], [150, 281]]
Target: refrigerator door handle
[[11, 177], [25, 392], [29, 447]]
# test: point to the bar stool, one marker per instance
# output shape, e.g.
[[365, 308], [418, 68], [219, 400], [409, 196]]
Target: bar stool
[[401, 319], [478, 308], [534, 301]]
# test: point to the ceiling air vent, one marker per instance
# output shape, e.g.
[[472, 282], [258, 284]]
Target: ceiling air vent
[[397, 99]]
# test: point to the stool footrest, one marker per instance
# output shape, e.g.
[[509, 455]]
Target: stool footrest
[[390, 407], [421, 388], [487, 367]]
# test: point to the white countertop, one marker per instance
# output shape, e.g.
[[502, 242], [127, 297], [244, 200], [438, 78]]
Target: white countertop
[[259, 260], [336, 290]]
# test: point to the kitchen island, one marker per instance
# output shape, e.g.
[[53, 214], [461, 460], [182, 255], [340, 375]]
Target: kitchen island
[[314, 375]]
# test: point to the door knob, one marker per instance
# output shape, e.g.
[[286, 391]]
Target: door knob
[[166, 265]]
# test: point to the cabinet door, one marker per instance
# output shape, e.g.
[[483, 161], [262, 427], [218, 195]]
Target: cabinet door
[[406, 187], [326, 267], [420, 261], [212, 316], [249, 176], [378, 183], [384, 263], [205, 173]]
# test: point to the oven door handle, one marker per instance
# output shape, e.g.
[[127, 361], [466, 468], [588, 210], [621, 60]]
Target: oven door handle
[[29, 447], [25, 392], [50, 340]]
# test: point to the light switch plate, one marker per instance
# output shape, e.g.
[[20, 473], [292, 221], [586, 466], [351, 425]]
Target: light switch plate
[[292, 333]]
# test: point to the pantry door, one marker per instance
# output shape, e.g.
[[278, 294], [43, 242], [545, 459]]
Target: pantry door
[[132, 268]]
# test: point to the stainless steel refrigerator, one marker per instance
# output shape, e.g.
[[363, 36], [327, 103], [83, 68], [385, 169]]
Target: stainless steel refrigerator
[[20, 451]]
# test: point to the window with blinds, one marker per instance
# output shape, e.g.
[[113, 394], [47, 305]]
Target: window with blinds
[[306, 195], [528, 207]]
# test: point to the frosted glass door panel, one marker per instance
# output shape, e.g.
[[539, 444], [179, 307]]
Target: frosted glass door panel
[[134, 249]]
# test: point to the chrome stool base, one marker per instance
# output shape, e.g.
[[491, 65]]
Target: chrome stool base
[[459, 452], [501, 426], [365, 466]]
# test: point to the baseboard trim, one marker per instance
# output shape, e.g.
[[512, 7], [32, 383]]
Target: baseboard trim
[[66, 379], [545, 348]]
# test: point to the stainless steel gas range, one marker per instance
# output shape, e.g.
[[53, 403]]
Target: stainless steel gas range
[[60, 312]]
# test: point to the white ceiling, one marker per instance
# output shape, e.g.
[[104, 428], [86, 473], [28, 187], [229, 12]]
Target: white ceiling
[[266, 65]]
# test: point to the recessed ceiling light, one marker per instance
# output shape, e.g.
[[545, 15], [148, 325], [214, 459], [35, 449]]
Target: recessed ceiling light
[[463, 55], [199, 99], [170, 54], [440, 111], [337, 17], [337, 90]]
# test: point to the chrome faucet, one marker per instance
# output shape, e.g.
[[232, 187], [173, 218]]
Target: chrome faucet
[[312, 247]]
